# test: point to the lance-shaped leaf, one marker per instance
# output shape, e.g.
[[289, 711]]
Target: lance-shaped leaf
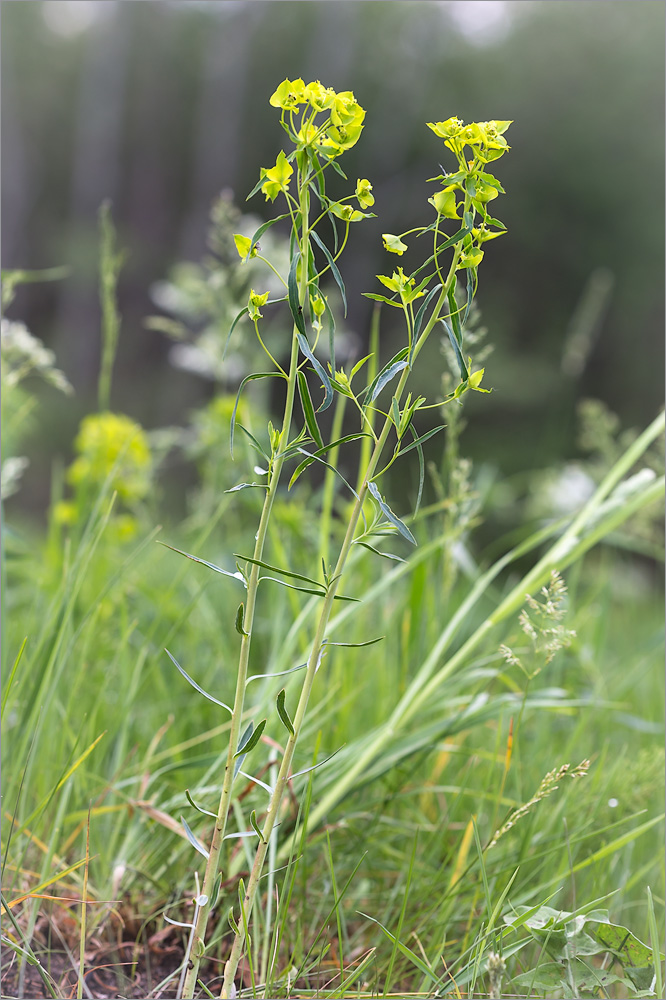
[[193, 840], [240, 618], [357, 645], [334, 269], [250, 739], [276, 673], [388, 513], [381, 298], [248, 378], [283, 713], [239, 317], [255, 826], [232, 923], [204, 812], [464, 374], [420, 440], [278, 569], [204, 562], [292, 296], [378, 552], [396, 364], [319, 368], [454, 315], [315, 766], [247, 486], [418, 322], [322, 451], [315, 458], [194, 683], [471, 292], [262, 229], [216, 891], [308, 410]]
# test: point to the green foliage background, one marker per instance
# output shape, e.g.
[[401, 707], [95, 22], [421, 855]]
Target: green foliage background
[[159, 106]]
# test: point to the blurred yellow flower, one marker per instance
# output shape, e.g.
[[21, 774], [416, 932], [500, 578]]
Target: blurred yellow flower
[[111, 444]]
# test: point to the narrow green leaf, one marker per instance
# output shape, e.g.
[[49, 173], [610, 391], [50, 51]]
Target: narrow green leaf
[[396, 364], [356, 645], [204, 562], [388, 513], [308, 410], [359, 364], [293, 586], [292, 296], [11, 676], [193, 840], [255, 826], [395, 412], [245, 737], [248, 378], [278, 569], [419, 441], [334, 269], [232, 923], [471, 291], [216, 891], [276, 673], [263, 227], [464, 374], [283, 713], [381, 298], [319, 368], [247, 486], [240, 615], [322, 451], [204, 812], [254, 443], [240, 315], [655, 941], [252, 740], [418, 322], [320, 763], [331, 332], [378, 552], [194, 683], [417, 444], [337, 472], [454, 314], [406, 951]]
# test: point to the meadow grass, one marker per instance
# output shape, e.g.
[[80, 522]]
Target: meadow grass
[[97, 719], [474, 805]]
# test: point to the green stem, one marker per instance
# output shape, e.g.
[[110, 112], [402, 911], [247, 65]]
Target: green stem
[[213, 863], [315, 655], [329, 480]]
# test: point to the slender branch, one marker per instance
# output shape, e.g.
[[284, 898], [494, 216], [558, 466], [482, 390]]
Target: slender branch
[[213, 863], [316, 652]]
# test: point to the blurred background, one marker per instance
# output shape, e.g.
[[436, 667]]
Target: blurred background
[[161, 106]]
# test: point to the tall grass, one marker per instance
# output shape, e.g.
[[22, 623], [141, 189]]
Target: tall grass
[[473, 803]]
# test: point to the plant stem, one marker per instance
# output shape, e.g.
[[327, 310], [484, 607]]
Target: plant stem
[[316, 653], [329, 480], [213, 863]]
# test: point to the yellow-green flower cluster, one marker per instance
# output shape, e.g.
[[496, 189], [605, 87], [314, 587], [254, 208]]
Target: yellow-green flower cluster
[[111, 444], [485, 138], [339, 131], [108, 445]]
